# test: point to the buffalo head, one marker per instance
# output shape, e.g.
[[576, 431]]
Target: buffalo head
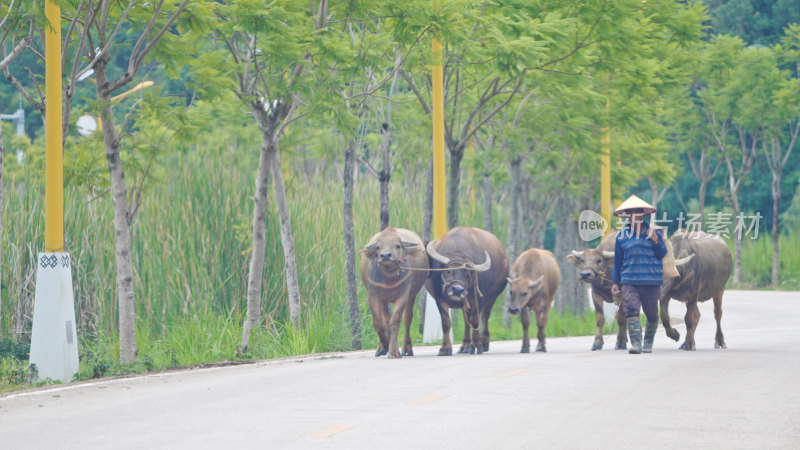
[[460, 274], [522, 289], [593, 264], [388, 250]]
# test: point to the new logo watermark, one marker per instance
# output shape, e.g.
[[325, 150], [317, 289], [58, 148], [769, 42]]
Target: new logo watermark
[[592, 225]]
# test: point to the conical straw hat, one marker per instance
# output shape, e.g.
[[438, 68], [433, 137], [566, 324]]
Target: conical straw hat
[[634, 202]]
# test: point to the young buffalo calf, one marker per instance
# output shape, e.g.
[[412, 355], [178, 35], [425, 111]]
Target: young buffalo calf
[[533, 284]]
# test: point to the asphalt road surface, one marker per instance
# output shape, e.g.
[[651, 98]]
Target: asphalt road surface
[[747, 396]]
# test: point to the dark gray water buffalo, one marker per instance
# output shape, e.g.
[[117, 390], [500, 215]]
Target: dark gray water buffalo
[[533, 283], [475, 271], [394, 267], [701, 278], [594, 267]]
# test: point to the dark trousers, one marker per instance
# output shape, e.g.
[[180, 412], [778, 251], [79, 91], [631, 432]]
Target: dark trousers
[[637, 298]]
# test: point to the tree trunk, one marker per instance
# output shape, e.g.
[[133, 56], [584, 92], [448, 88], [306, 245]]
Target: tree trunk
[[256, 271], [427, 215], [513, 227], [488, 217], [122, 221], [452, 191], [287, 239], [385, 174], [1, 222], [571, 295], [427, 235], [737, 246], [350, 247], [701, 197], [776, 202]]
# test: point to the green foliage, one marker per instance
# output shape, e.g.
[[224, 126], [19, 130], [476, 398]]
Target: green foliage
[[757, 262], [13, 371]]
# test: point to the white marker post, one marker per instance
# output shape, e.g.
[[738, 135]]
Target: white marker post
[[54, 343], [432, 330]]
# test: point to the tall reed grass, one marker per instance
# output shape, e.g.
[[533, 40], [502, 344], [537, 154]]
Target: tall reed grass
[[757, 261]]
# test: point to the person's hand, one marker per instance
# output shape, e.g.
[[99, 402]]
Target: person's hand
[[654, 236], [615, 289]]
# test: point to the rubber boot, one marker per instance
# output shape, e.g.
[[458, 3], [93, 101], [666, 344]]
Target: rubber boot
[[649, 336], [635, 334]]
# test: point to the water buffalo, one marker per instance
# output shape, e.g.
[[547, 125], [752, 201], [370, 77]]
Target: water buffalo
[[475, 268], [595, 267], [394, 266], [534, 279], [702, 277]]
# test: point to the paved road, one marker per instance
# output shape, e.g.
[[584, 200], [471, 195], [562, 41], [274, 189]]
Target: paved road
[[747, 396]]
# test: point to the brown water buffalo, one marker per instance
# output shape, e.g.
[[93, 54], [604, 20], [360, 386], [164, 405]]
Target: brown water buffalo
[[594, 267], [394, 266], [702, 277], [475, 268], [533, 283]]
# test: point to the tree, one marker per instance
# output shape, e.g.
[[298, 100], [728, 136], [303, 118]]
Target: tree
[[780, 125], [267, 54], [92, 43], [488, 50], [736, 139], [17, 33]]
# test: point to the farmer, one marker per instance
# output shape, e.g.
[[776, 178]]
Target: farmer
[[637, 271]]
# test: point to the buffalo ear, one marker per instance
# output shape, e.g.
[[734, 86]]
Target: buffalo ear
[[572, 259], [369, 249], [536, 283]]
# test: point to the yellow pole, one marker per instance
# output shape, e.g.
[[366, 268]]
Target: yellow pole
[[605, 179], [439, 208], [54, 164]]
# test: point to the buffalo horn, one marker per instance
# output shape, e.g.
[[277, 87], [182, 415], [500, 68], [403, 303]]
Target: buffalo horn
[[409, 243], [578, 254], [435, 255], [486, 264], [607, 254], [509, 280], [682, 261]]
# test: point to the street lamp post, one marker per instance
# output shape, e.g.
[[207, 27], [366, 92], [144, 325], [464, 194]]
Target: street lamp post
[[54, 340]]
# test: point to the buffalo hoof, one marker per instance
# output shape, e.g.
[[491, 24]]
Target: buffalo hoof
[[463, 349], [472, 350], [541, 348], [485, 347], [621, 346], [688, 347], [673, 334], [597, 346], [445, 352], [479, 349], [720, 345], [525, 350], [408, 352], [394, 355], [380, 352]]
